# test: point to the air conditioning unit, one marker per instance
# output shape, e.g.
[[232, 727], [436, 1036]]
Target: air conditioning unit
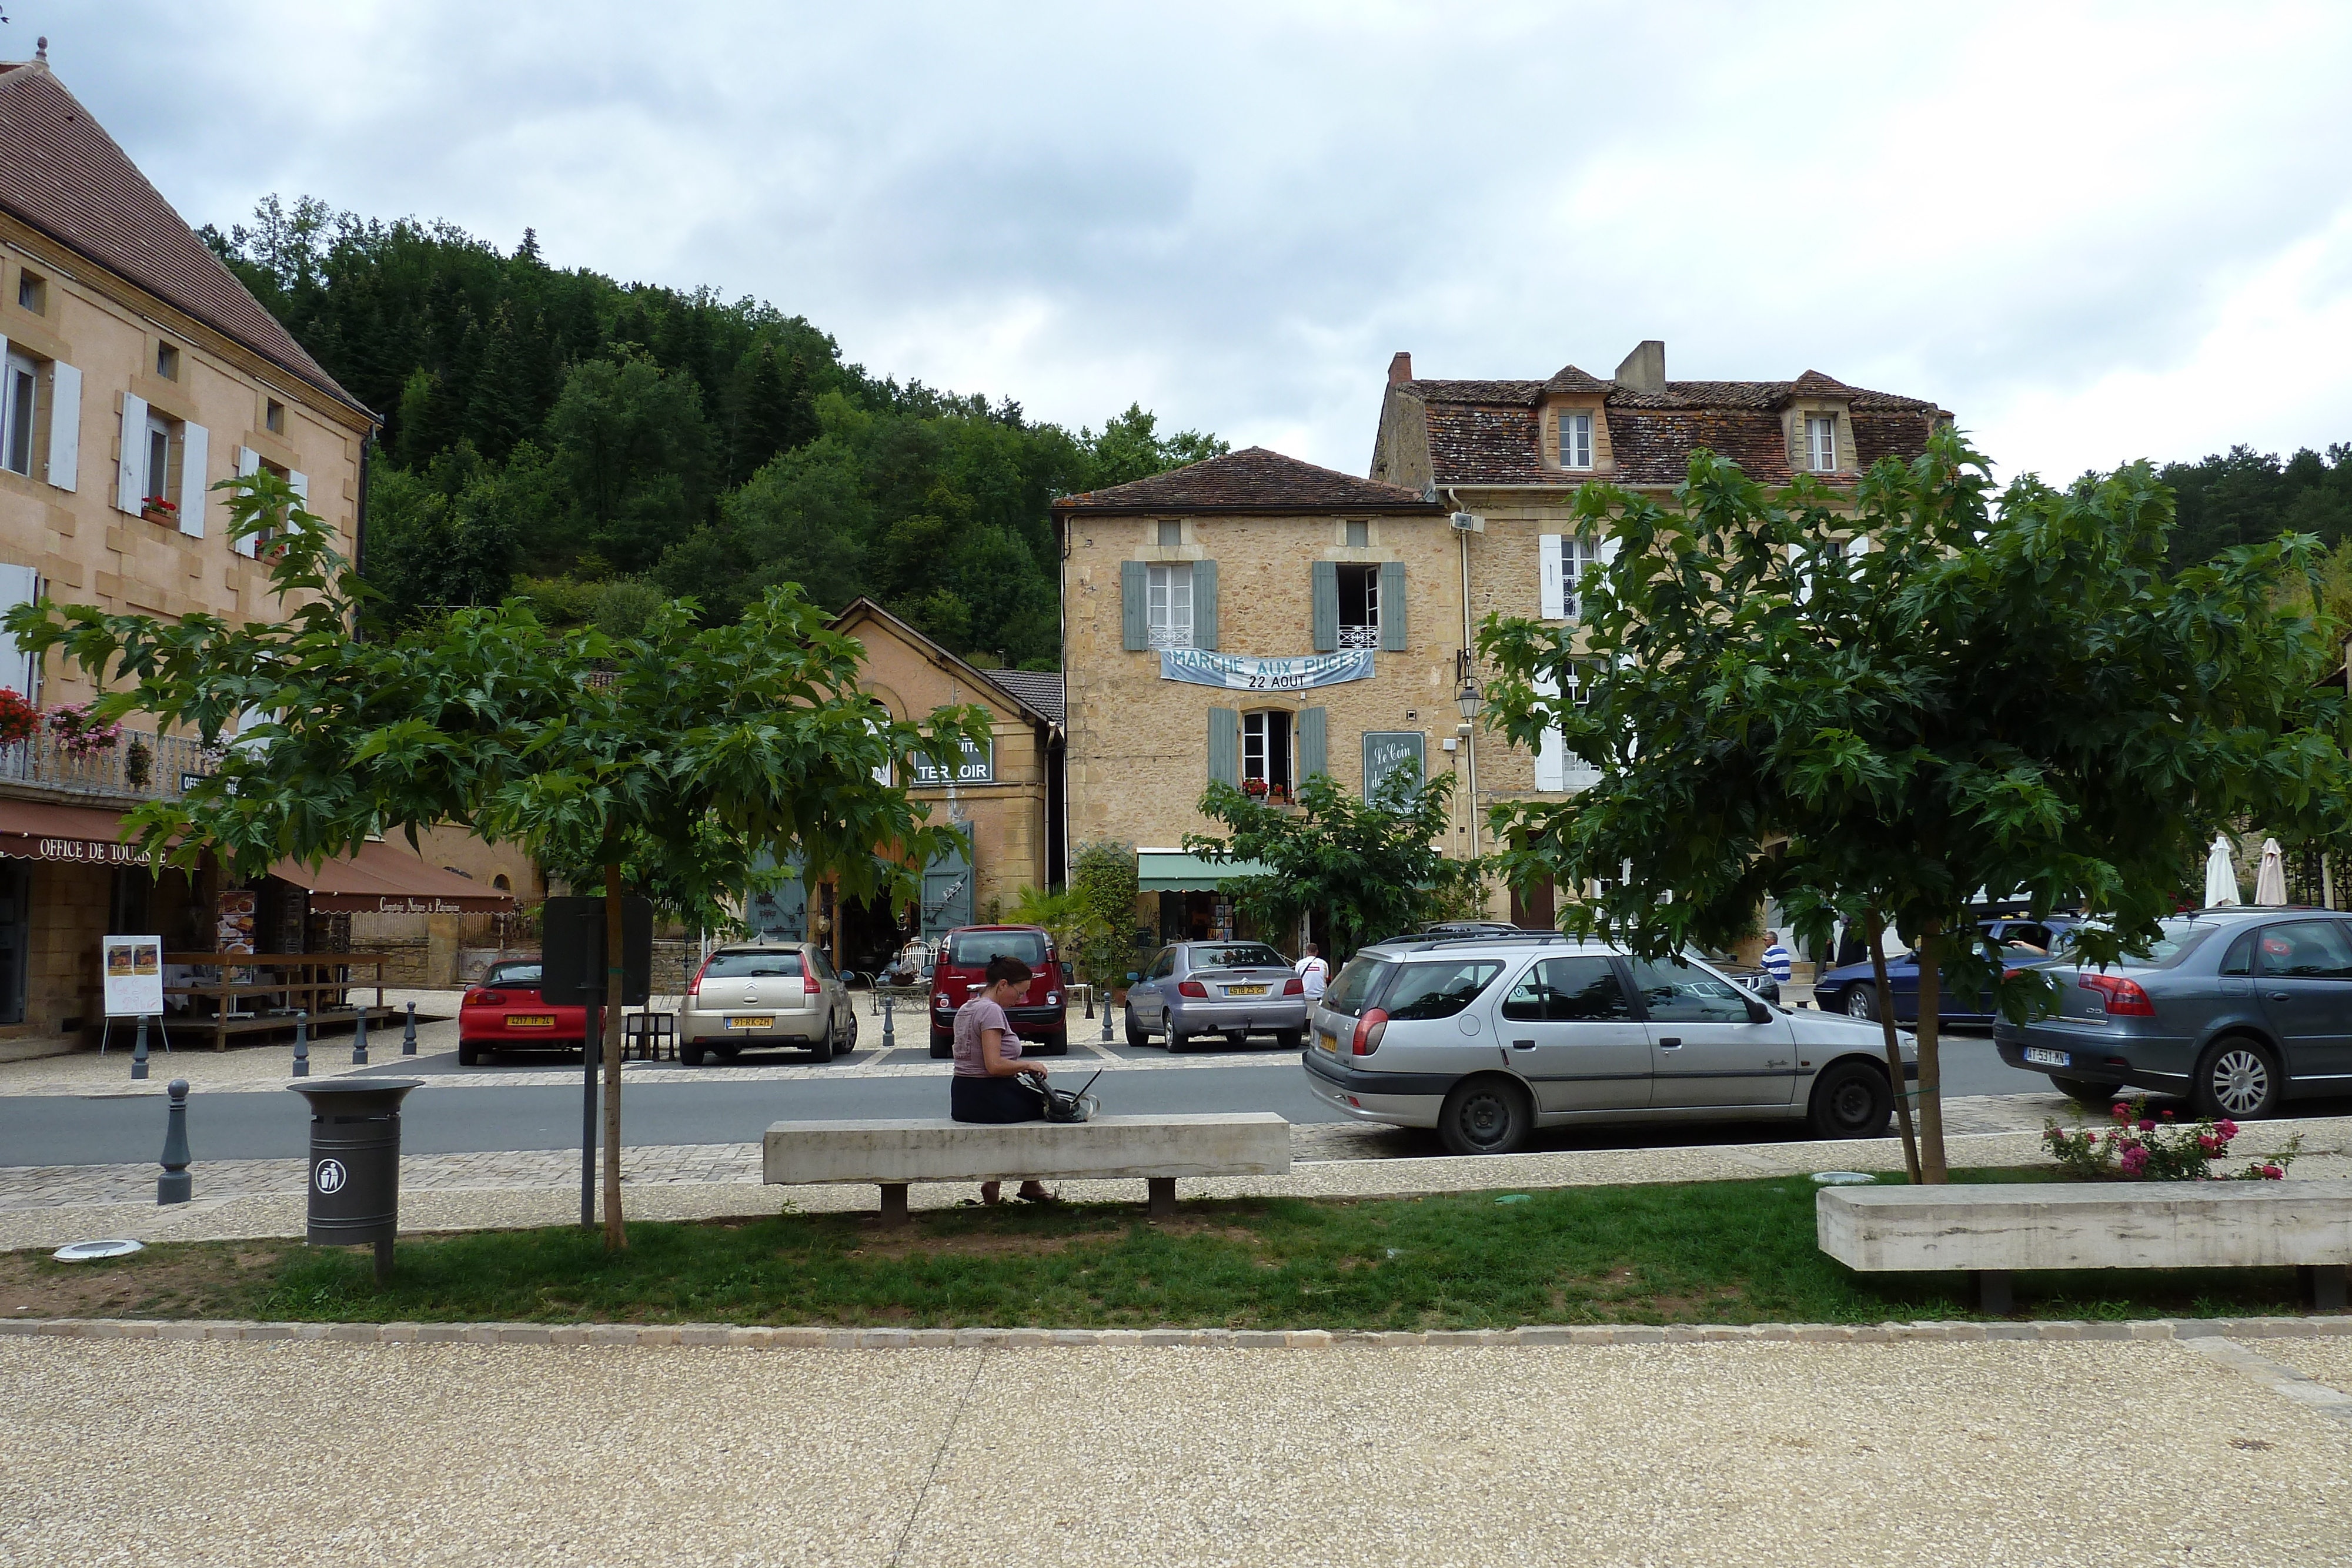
[[1468, 523]]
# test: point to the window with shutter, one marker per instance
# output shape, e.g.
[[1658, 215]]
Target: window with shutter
[[1204, 604], [1314, 742], [193, 479], [1576, 440], [19, 405], [1821, 442], [1224, 746], [130, 472], [1358, 603], [1392, 607], [1134, 621], [1324, 577], [1170, 605]]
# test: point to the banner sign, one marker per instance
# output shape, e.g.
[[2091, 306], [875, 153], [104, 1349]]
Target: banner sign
[[1240, 673], [979, 767], [133, 967]]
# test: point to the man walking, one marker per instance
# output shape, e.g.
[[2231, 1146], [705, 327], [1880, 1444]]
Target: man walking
[[1312, 970], [1777, 958]]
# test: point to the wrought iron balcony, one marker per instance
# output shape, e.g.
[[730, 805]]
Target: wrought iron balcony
[[1361, 637]]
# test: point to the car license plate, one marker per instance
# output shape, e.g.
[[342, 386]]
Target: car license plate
[[2043, 1056], [1329, 1042], [1244, 990], [733, 1022], [529, 1020]]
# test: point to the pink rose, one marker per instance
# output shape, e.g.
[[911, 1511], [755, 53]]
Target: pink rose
[[2274, 1173], [2123, 1113], [2227, 1129], [2146, 1126], [2167, 1115], [2135, 1161]]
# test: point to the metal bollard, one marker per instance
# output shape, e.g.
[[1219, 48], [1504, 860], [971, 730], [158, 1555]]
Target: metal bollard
[[302, 1045], [175, 1185], [889, 1030], [1106, 1013], [408, 1034], [359, 1039], [139, 1050]]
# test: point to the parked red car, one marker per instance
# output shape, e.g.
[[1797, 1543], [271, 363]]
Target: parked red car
[[505, 1013], [1036, 1017]]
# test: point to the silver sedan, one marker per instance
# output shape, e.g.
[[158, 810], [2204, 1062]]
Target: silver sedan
[[1231, 989]]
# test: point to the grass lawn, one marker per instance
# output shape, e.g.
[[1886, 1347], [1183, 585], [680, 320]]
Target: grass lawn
[[1725, 1252]]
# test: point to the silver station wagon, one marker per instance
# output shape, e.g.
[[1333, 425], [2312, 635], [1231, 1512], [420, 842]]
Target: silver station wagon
[[1234, 990], [1487, 1038]]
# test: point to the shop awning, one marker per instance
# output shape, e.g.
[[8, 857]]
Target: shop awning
[[388, 879], [1173, 871], [44, 830]]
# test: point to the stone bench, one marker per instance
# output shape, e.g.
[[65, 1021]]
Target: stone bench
[[1992, 1231], [1158, 1149]]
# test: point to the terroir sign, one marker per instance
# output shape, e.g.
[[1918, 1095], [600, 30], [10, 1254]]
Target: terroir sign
[[979, 767], [1240, 673]]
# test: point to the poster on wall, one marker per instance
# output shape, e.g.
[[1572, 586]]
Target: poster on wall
[[133, 969], [233, 923]]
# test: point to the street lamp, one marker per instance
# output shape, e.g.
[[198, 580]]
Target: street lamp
[[1469, 698]]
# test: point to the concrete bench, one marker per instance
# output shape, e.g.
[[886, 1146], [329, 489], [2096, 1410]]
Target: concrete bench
[[1158, 1149], [1992, 1231]]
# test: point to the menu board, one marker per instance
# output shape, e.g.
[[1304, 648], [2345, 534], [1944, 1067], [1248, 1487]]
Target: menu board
[[133, 967], [233, 930]]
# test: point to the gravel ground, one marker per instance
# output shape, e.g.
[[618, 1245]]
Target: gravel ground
[[259, 1454]]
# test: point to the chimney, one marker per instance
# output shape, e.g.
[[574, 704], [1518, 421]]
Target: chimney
[[1645, 368], [1401, 368]]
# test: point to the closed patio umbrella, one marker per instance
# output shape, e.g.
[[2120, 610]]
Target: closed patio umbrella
[[2270, 879], [2221, 874]]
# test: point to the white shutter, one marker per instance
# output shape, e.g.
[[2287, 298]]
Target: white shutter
[[300, 484], [196, 451], [1551, 754], [131, 481], [65, 425], [1609, 550], [248, 462], [1553, 600], [18, 585]]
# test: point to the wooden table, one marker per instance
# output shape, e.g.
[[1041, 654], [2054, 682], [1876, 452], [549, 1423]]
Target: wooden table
[[317, 979]]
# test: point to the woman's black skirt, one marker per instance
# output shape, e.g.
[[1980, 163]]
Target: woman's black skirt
[[994, 1100]]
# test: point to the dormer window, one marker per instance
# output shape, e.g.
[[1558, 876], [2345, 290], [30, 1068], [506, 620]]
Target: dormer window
[[167, 362], [1576, 440], [1168, 536], [1821, 442]]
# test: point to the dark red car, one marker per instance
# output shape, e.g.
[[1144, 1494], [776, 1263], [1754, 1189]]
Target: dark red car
[[505, 1013], [1038, 1018]]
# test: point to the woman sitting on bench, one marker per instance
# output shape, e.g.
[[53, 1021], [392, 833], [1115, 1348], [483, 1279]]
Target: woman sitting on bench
[[987, 1085]]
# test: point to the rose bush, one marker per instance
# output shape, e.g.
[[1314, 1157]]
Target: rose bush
[[2141, 1147]]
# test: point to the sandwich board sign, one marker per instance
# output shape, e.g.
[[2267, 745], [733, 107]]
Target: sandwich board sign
[[132, 968]]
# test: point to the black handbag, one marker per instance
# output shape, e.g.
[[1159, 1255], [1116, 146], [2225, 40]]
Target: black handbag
[[1067, 1104]]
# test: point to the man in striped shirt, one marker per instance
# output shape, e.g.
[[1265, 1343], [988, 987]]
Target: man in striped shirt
[[1777, 958]]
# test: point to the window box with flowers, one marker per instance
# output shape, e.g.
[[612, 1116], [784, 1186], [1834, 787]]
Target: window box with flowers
[[158, 509], [19, 720]]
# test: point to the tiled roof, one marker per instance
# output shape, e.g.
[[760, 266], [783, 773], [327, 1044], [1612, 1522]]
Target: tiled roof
[[1041, 689], [63, 175], [1255, 480], [1489, 433]]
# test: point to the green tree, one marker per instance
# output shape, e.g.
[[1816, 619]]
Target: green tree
[[1371, 868], [2019, 699], [1103, 879], [680, 754]]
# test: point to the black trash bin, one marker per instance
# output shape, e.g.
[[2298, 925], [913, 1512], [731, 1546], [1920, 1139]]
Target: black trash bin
[[355, 1162]]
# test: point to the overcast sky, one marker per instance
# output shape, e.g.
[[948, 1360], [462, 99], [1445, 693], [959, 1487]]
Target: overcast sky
[[2092, 232]]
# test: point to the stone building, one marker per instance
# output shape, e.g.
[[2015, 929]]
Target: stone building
[[1254, 617], [138, 372], [1007, 798]]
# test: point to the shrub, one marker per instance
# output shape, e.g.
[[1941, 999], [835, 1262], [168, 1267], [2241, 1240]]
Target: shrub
[[1102, 879], [2140, 1147]]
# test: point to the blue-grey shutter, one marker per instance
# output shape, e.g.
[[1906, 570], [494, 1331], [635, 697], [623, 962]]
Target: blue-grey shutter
[[1225, 746], [1392, 607], [1327, 606], [1204, 604], [1134, 606], [1314, 742]]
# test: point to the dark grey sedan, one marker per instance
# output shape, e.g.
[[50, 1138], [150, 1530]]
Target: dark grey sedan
[[1231, 989], [2238, 1010]]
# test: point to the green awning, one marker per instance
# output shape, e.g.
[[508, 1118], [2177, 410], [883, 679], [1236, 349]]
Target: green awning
[[1171, 871]]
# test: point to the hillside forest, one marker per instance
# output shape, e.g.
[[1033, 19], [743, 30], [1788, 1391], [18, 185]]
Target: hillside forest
[[597, 446]]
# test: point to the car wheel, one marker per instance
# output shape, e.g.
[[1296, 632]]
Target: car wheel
[[1291, 1039], [1851, 1100], [1135, 1030], [821, 1048], [468, 1054], [848, 1046], [942, 1043], [2238, 1077], [691, 1052], [1169, 1038], [1860, 1002], [2099, 1094], [1485, 1116]]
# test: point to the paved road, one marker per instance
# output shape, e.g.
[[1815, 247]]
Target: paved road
[[706, 1107]]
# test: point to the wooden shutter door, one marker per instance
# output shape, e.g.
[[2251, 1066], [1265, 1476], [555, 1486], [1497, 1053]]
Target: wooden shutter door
[[1314, 742], [1204, 604], [1134, 606], [65, 425], [1225, 746], [1551, 593], [1326, 615], [1392, 607], [194, 455], [131, 478]]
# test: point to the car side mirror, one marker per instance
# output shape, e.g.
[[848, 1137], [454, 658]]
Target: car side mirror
[[1758, 1012], [1068, 974], [1133, 975]]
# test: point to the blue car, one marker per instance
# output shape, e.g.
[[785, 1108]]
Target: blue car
[[1853, 990]]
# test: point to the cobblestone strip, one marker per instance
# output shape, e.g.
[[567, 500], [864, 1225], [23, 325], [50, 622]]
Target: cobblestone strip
[[2300, 1388], [2199, 1334], [50, 1186]]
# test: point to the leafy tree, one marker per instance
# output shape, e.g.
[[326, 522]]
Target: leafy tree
[[1370, 867], [678, 757], [2019, 699], [1103, 879]]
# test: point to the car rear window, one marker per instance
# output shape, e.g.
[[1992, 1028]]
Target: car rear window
[[1240, 956], [753, 966], [1359, 982], [2180, 939], [973, 949], [513, 974], [1438, 990]]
